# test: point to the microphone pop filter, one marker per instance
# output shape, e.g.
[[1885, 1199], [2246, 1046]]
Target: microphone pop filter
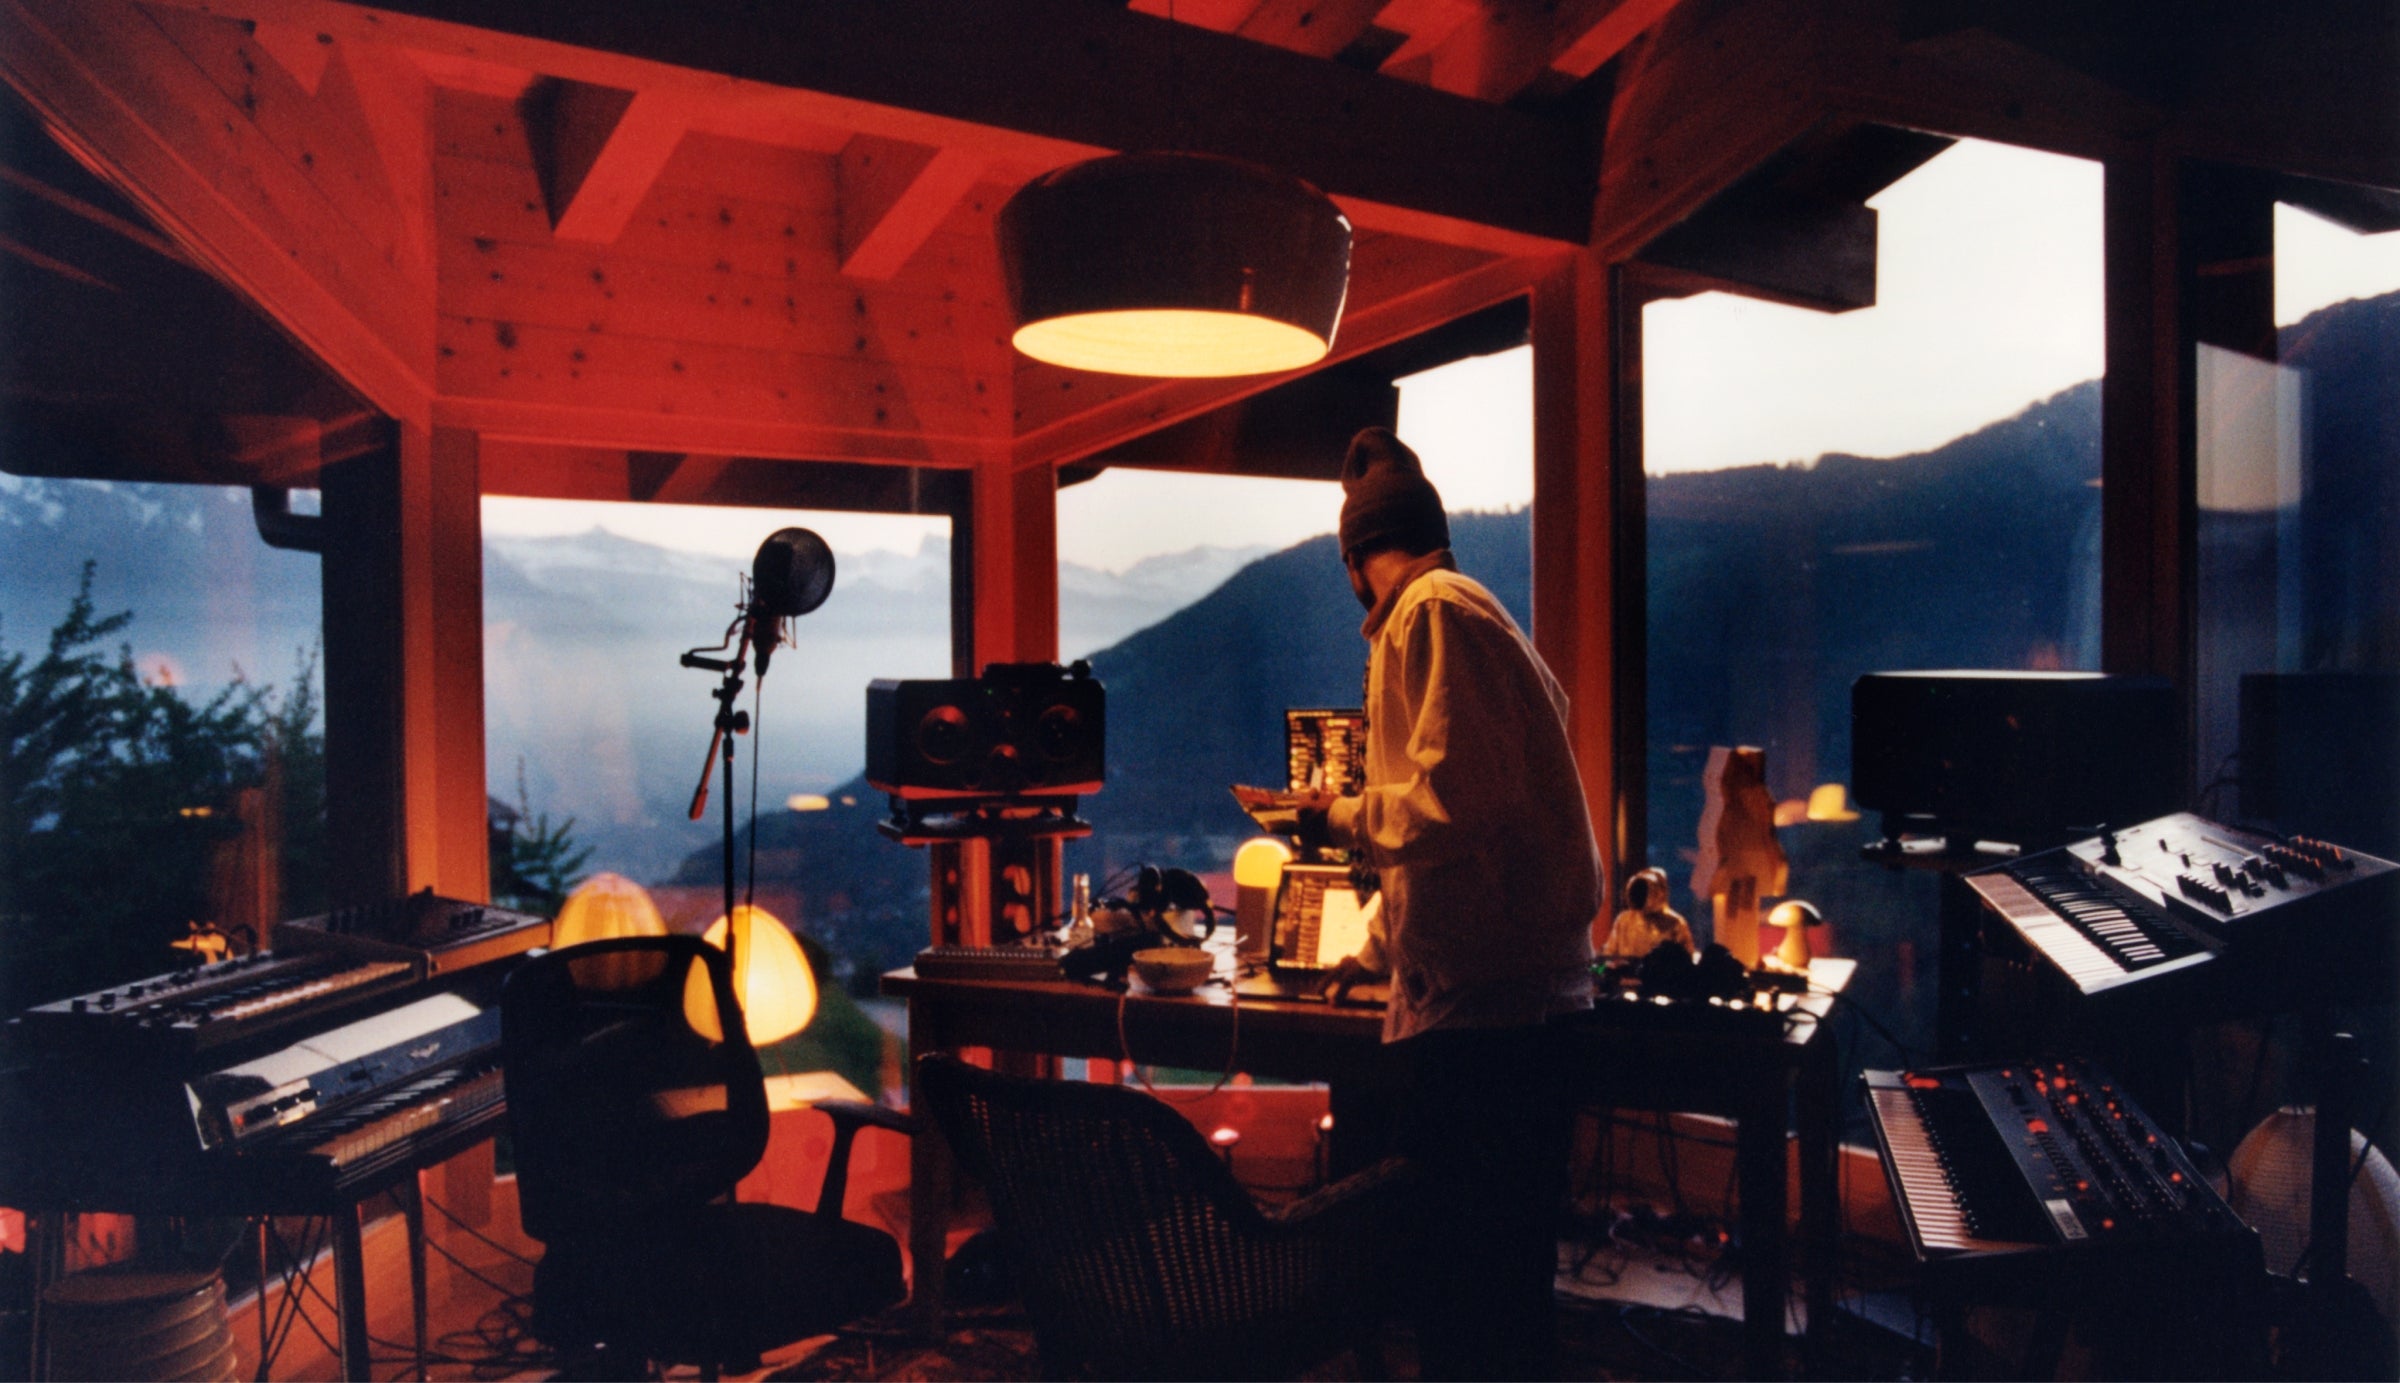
[[793, 572]]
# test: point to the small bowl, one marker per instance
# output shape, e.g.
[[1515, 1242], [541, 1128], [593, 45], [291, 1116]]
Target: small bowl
[[1173, 969]]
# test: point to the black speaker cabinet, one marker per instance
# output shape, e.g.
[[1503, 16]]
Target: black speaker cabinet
[[1021, 729], [2026, 757]]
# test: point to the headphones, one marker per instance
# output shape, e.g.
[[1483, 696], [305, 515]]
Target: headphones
[[1171, 901]]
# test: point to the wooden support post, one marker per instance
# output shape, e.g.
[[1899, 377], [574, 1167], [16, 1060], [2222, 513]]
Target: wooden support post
[[1016, 565], [403, 577], [2146, 514], [1575, 572]]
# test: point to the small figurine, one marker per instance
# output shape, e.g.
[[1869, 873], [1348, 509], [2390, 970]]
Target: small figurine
[[1647, 922], [1740, 860]]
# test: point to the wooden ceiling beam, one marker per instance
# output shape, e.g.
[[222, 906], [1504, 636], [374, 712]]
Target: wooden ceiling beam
[[598, 149], [122, 95], [1506, 45], [890, 196], [1033, 83], [1319, 28], [299, 52]]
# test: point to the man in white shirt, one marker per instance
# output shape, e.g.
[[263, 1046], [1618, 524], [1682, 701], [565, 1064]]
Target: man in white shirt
[[1473, 816]]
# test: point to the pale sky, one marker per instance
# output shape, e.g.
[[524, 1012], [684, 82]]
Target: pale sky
[[1988, 299]]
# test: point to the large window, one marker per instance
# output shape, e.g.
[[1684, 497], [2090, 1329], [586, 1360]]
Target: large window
[[1209, 604], [1909, 485], [597, 735], [2299, 520], [159, 698]]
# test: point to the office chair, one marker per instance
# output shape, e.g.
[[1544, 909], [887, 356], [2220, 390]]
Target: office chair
[[1139, 1255], [632, 1128]]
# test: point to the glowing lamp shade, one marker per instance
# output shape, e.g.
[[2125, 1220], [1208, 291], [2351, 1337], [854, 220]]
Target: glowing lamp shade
[[604, 906], [1183, 265], [770, 977], [1259, 863]]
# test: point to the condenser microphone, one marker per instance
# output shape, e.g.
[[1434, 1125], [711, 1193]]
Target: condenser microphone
[[791, 575]]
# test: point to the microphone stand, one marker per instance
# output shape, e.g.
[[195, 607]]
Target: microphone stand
[[729, 723]]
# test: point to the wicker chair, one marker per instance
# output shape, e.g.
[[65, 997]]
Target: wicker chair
[[1139, 1255]]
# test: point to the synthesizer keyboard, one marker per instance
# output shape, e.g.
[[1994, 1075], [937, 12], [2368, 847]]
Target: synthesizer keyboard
[[988, 963], [2159, 906], [210, 1006], [2040, 1158]]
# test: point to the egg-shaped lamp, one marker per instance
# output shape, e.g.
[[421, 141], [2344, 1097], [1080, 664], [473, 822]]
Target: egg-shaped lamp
[[604, 906], [1174, 265], [770, 977]]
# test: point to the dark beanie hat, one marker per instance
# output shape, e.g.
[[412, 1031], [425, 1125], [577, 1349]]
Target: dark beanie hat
[[1386, 497]]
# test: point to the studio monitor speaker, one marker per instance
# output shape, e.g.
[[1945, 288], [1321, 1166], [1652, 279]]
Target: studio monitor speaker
[[1021, 729]]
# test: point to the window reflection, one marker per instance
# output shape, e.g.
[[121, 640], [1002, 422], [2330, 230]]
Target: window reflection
[[1910, 485], [164, 744]]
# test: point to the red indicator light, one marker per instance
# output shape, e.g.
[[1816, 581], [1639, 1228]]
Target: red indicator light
[[1923, 1083], [2037, 1126], [2083, 1186], [2176, 1177], [2108, 1224]]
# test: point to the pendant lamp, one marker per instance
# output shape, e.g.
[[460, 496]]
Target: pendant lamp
[[1171, 264], [770, 977]]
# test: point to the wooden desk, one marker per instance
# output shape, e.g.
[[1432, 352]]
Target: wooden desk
[[1631, 1058]]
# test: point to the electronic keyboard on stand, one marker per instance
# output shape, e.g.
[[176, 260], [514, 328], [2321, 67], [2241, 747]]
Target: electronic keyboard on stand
[[2188, 912], [2013, 1177], [299, 1082]]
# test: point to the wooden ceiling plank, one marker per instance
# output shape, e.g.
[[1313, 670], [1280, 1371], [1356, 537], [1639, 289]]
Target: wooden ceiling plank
[[124, 99], [1427, 24], [396, 103], [1507, 44], [1023, 80], [1319, 28], [891, 197], [578, 289], [514, 421], [1610, 34], [323, 136], [1160, 403], [548, 365], [1222, 16], [598, 150], [300, 52]]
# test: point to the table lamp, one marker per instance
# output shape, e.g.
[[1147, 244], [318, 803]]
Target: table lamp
[[770, 977], [604, 906]]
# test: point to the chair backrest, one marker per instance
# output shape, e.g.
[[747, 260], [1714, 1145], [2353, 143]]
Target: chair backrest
[[1135, 1248], [624, 1102]]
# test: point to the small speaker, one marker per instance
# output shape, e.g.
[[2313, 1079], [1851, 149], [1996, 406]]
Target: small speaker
[[2025, 757], [1021, 729]]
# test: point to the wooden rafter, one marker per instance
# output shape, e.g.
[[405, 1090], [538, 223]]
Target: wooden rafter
[[892, 195], [598, 150], [1035, 84]]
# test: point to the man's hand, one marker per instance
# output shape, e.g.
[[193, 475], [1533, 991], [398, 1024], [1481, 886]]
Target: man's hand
[[1313, 803], [1347, 971]]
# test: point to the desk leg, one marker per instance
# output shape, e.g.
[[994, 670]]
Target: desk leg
[[1766, 1274], [350, 1295], [929, 1173], [1819, 1111], [46, 1254], [411, 1196]]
